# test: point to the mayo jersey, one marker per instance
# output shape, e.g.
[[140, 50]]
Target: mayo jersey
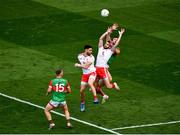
[[59, 87], [86, 59], [103, 57]]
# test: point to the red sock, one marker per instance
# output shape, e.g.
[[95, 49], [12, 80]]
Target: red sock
[[99, 91], [83, 99], [95, 97], [113, 86]]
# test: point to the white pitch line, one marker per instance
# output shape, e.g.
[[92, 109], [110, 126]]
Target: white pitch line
[[75, 119], [147, 125]]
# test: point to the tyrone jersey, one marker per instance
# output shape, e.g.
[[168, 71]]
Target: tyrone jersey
[[59, 87], [86, 59], [103, 57]]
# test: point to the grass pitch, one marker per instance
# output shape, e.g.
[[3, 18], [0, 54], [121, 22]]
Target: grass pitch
[[38, 36]]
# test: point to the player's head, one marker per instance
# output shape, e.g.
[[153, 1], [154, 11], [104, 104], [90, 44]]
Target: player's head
[[88, 49], [59, 72], [107, 45], [114, 40]]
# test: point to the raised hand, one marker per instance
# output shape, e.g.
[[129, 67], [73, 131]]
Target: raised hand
[[109, 30], [122, 30], [114, 26]]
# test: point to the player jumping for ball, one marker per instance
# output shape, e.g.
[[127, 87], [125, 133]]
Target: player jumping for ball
[[105, 51], [86, 60], [100, 83]]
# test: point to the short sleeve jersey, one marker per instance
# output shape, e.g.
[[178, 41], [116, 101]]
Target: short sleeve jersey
[[103, 57], [59, 87], [86, 59]]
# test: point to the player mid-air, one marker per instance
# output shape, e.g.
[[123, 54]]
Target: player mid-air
[[100, 83], [112, 43], [86, 60], [105, 52], [58, 87]]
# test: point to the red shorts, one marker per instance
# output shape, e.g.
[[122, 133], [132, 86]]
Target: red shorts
[[85, 77], [101, 72]]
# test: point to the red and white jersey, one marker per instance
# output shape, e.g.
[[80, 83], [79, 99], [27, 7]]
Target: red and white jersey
[[87, 59], [103, 57]]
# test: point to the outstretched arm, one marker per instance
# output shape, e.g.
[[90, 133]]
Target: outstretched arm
[[108, 37], [119, 38], [101, 39], [83, 65], [109, 30], [113, 27]]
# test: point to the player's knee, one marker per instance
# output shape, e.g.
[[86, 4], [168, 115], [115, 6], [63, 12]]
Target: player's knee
[[46, 110], [110, 79], [90, 84], [81, 90], [100, 82]]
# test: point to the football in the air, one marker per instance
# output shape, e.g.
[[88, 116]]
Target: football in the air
[[104, 12]]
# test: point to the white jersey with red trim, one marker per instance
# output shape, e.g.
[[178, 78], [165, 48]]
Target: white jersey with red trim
[[87, 59], [103, 57]]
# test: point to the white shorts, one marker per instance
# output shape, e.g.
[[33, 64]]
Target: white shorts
[[56, 104]]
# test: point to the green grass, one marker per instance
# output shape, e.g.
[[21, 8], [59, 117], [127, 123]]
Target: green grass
[[26, 117], [38, 36]]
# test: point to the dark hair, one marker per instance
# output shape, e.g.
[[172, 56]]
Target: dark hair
[[58, 71], [87, 47]]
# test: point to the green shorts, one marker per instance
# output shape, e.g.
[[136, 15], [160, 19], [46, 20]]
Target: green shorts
[[56, 104]]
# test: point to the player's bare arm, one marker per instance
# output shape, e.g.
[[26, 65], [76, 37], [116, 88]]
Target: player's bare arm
[[119, 38], [83, 65], [103, 37], [113, 27], [108, 36], [69, 89], [48, 90]]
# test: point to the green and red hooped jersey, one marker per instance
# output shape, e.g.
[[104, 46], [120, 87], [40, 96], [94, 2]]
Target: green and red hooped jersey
[[59, 88]]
